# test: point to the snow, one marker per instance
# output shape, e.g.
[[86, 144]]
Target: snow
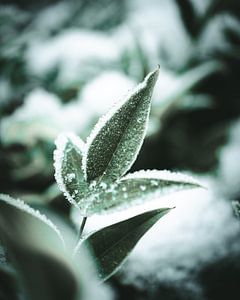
[[186, 239], [59, 156], [43, 116], [164, 175], [74, 52], [104, 90], [161, 28], [52, 17], [213, 37], [201, 6]]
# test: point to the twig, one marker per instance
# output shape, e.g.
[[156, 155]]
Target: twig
[[81, 228]]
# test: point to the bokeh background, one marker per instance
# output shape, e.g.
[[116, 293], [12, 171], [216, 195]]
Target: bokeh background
[[64, 63]]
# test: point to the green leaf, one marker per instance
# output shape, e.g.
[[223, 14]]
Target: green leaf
[[114, 143], [111, 245], [135, 189], [68, 167], [37, 252], [33, 213], [45, 267]]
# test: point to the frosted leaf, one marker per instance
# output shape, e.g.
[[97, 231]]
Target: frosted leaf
[[138, 188], [112, 245], [114, 143], [33, 212], [68, 167]]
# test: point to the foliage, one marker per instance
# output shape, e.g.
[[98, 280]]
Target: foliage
[[92, 177]]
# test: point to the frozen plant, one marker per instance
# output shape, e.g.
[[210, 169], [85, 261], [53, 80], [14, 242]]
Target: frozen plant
[[92, 177]]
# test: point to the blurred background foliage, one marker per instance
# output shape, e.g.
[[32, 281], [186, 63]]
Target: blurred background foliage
[[63, 63]]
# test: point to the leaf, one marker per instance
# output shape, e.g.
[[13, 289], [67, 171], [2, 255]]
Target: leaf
[[114, 143], [45, 268], [36, 252], [68, 167], [28, 210], [111, 245], [137, 188]]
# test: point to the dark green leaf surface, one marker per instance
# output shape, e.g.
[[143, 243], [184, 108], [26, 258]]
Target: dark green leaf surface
[[111, 245], [117, 138], [136, 189], [68, 167]]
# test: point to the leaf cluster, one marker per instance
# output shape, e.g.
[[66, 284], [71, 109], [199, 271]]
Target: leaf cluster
[[92, 177]]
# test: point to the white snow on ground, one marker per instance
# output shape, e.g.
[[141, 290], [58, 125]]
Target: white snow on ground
[[43, 116], [52, 17], [160, 26], [103, 91], [193, 234], [73, 51]]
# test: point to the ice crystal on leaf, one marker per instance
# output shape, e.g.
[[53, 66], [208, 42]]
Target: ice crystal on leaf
[[116, 139], [68, 167], [91, 175], [138, 188]]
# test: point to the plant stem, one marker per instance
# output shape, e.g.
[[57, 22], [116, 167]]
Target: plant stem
[[82, 228]]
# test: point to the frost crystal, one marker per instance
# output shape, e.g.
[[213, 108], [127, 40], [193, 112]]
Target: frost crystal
[[70, 177], [67, 163], [138, 188], [163, 175], [90, 176]]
